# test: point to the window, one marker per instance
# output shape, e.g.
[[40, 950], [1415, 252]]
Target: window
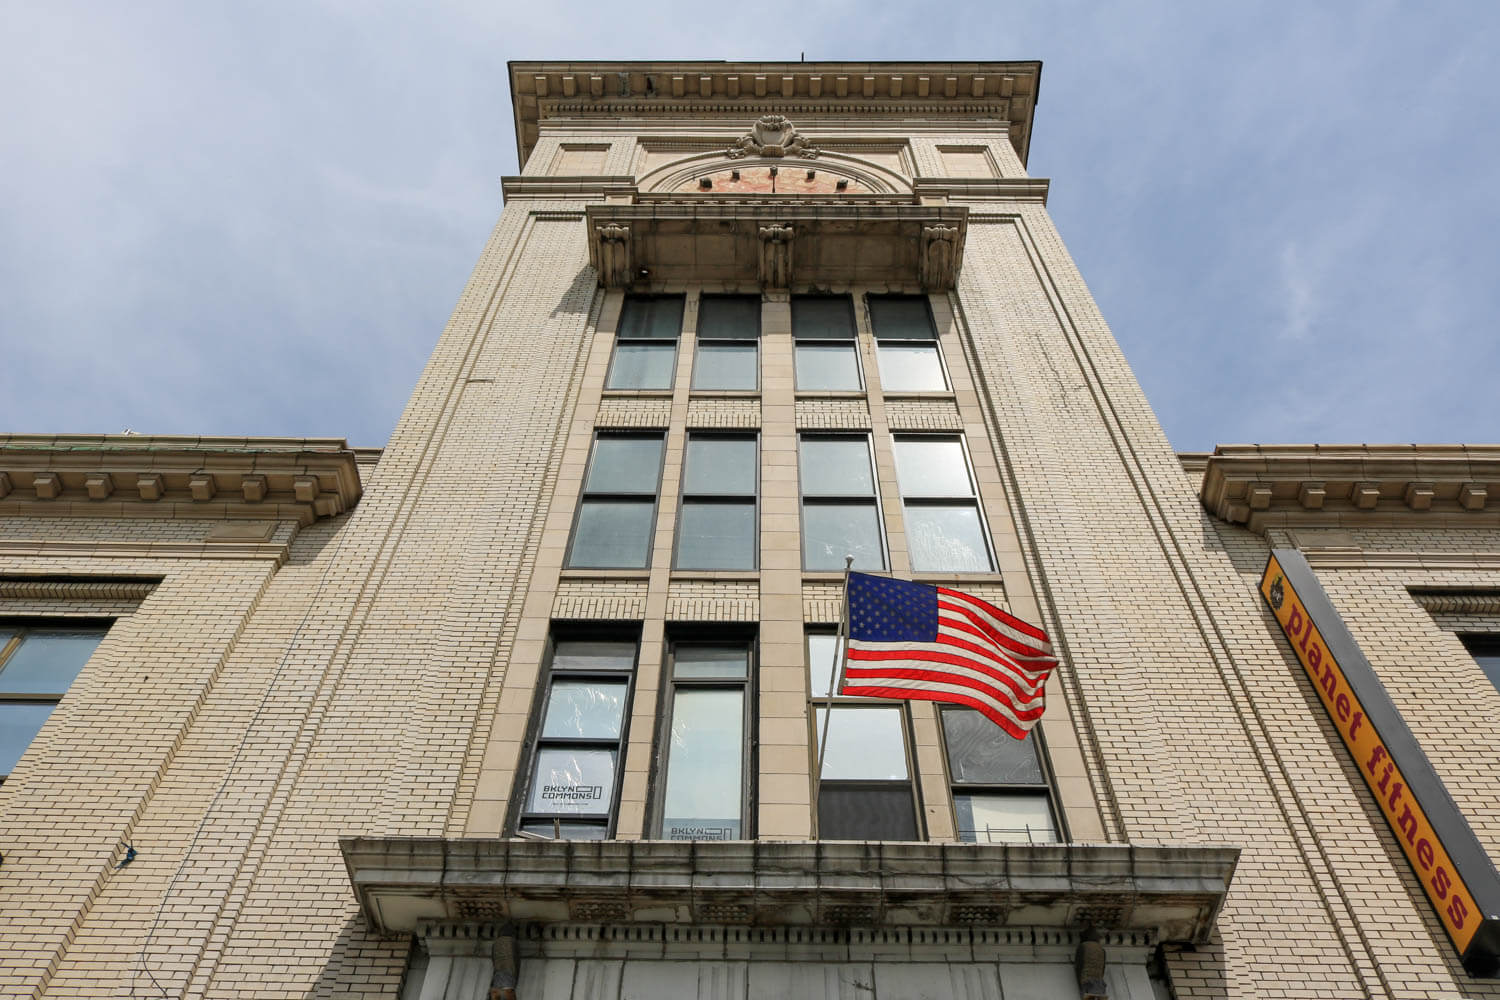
[[943, 528], [840, 508], [703, 744], [906, 340], [716, 529], [646, 343], [865, 791], [826, 355], [1000, 792], [728, 343], [1484, 648], [579, 737], [617, 513], [37, 664]]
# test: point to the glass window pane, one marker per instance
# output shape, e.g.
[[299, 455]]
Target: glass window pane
[[657, 316], [720, 465], [19, 724], [835, 467], [1484, 648], [705, 767], [613, 534], [823, 651], [725, 366], [566, 831], [47, 662], [716, 535], [1005, 818], [832, 531], [820, 317], [584, 709], [710, 661], [625, 465], [574, 655], [932, 467], [946, 539], [910, 368], [642, 364], [572, 782], [865, 744], [827, 366], [980, 751], [866, 812], [901, 317], [729, 317]]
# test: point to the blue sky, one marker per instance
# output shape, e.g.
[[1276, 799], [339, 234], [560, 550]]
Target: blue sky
[[255, 218]]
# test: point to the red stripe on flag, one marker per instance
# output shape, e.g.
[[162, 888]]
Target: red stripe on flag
[[905, 694]]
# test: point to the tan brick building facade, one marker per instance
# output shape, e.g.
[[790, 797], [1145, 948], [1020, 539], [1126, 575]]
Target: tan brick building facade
[[315, 749]]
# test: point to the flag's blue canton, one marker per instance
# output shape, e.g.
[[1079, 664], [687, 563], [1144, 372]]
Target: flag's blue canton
[[886, 610]]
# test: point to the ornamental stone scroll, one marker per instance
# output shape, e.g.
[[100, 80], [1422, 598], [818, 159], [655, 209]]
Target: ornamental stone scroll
[[772, 136], [941, 250], [614, 255], [776, 256]]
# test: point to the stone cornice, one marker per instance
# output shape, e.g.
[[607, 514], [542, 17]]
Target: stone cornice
[[1264, 486], [983, 188], [130, 475], [991, 90], [1173, 892]]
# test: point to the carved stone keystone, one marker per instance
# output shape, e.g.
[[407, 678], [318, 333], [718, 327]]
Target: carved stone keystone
[[773, 135]]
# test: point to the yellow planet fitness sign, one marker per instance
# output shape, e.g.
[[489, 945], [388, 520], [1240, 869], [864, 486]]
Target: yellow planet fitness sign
[[1452, 866]]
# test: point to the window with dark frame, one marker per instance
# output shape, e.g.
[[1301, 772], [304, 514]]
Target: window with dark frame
[[646, 343], [840, 505], [827, 354], [38, 663], [1486, 652], [728, 349], [617, 510], [1001, 793], [865, 791], [906, 343], [578, 738], [705, 739], [717, 520], [945, 531]]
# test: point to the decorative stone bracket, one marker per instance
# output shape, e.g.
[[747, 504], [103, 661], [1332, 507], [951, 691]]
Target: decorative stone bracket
[[776, 256]]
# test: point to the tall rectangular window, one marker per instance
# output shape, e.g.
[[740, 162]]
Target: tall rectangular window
[[37, 665], [704, 741], [827, 355], [1484, 648], [1000, 791], [728, 343], [720, 476], [578, 741], [617, 512], [944, 530], [906, 341], [865, 791], [646, 343], [840, 506]]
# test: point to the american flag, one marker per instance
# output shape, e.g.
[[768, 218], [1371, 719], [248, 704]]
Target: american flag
[[914, 641]]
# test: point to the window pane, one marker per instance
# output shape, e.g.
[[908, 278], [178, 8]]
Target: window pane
[[642, 365], [822, 661], [584, 709], [572, 782], [716, 535], [710, 661], [720, 465], [910, 368], [705, 768], [832, 531], [827, 366], [865, 744], [613, 534], [625, 465], [1005, 818], [900, 318], [657, 316], [866, 812], [980, 751], [725, 366], [573, 655], [729, 317], [19, 724], [1484, 648], [566, 831], [946, 539], [819, 317], [932, 467], [835, 467], [47, 662]]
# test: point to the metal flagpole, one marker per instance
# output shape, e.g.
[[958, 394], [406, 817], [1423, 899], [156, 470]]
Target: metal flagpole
[[835, 678]]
